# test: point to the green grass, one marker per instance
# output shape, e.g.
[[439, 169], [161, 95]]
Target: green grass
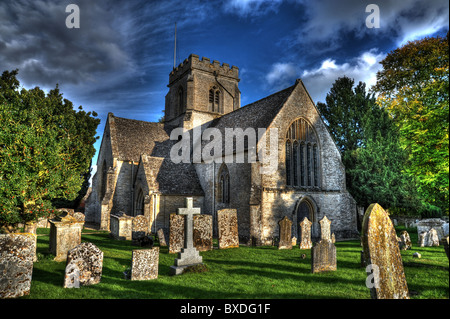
[[239, 273]]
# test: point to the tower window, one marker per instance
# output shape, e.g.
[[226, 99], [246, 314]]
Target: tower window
[[180, 100], [214, 100]]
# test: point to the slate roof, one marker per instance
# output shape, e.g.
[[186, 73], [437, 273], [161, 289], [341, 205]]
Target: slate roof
[[132, 138]]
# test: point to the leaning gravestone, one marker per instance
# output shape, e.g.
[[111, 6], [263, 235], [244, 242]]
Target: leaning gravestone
[[176, 233], [227, 228], [17, 252], [305, 240], [65, 234], [405, 241], [84, 266], [203, 232], [189, 255], [285, 233], [144, 264], [323, 253], [382, 256]]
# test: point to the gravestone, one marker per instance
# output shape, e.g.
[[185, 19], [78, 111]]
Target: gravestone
[[84, 266], [17, 252], [203, 232], [285, 233], [161, 238], [325, 229], [144, 264], [121, 226], [323, 253], [294, 241], [429, 238], [404, 241], [323, 256], [305, 240], [382, 256], [79, 216], [227, 228], [189, 255], [425, 225], [176, 233], [65, 234], [139, 229]]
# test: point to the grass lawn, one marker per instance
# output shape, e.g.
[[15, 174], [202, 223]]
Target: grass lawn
[[239, 273]]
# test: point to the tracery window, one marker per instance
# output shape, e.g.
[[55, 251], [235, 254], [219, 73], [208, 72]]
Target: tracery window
[[302, 155]]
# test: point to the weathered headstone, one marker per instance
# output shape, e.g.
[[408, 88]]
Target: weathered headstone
[[161, 238], [382, 256], [176, 233], [285, 233], [323, 253], [325, 229], [17, 252], [203, 232], [65, 234], [323, 256], [305, 240], [84, 266], [145, 264], [294, 241], [405, 241], [425, 225], [189, 255], [121, 226], [429, 238], [227, 228], [139, 229]]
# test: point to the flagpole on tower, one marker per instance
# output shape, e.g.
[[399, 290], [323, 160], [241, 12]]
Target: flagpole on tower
[[175, 47]]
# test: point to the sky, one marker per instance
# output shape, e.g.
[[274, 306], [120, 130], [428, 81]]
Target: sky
[[120, 57]]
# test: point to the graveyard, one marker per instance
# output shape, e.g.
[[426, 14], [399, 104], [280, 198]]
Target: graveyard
[[243, 272]]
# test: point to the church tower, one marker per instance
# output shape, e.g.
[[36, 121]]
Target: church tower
[[201, 91]]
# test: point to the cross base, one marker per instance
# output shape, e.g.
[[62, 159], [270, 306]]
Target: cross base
[[178, 270]]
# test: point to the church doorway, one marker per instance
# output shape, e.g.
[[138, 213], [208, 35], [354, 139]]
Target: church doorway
[[307, 209]]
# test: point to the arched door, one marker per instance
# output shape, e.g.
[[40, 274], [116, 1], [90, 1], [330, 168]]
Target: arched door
[[307, 209]]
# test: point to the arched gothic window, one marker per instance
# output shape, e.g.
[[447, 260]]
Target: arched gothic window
[[224, 185], [302, 155], [139, 206], [214, 100]]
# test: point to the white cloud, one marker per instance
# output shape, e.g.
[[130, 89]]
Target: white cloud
[[251, 7], [281, 75], [362, 68]]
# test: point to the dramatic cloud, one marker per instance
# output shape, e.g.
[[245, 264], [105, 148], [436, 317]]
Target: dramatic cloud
[[328, 20], [281, 75], [362, 68]]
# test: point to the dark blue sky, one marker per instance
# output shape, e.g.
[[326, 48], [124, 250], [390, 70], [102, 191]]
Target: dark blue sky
[[120, 58]]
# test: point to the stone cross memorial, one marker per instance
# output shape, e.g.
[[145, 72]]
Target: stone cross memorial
[[189, 255], [384, 266]]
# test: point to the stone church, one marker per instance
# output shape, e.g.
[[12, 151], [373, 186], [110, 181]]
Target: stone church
[[136, 175]]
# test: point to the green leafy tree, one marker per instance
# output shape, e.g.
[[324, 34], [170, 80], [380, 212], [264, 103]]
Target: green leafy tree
[[369, 144], [45, 150], [414, 87]]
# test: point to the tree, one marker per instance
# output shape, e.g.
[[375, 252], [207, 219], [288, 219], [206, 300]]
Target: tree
[[45, 150], [369, 144], [413, 87]]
